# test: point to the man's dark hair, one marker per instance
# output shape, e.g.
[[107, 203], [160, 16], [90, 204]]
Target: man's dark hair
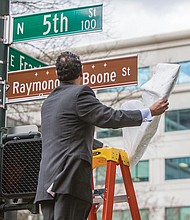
[[68, 66]]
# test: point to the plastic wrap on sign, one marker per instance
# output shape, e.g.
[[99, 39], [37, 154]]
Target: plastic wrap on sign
[[136, 139]]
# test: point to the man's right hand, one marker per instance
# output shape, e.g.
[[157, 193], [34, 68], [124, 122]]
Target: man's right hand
[[159, 107]]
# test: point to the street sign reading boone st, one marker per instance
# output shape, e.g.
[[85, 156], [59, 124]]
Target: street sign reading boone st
[[37, 83], [54, 23]]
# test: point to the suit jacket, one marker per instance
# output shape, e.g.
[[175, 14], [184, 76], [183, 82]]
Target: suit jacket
[[69, 116]]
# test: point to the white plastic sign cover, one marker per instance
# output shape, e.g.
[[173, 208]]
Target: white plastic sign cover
[[136, 139]]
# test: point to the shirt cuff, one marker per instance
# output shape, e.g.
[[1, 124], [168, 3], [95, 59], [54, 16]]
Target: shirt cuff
[[146, 115]]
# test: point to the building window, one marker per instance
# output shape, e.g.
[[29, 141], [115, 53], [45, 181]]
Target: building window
[[177, 120], [143, 76], [178, 213], [101, 176], [184, 73], [125, 214], [177, 168], [140, 173], [108, 133]]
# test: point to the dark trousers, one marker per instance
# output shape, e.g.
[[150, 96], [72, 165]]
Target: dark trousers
[[65, 207]]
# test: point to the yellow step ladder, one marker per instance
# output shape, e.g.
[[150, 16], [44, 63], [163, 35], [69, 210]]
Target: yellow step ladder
[[111, 157]]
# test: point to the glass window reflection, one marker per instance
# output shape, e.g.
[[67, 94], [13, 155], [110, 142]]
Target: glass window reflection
[[184, 73], [177, 120], [140, 173], [178, 213], [177, 168]]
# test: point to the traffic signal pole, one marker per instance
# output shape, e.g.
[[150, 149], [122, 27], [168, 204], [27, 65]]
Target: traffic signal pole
[[4, 44], [4, 11]]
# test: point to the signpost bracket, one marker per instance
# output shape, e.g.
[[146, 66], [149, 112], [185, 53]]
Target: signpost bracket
[[8, 29], [3, 90]]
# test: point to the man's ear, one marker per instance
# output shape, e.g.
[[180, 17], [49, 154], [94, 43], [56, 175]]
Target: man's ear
[[80, 73]]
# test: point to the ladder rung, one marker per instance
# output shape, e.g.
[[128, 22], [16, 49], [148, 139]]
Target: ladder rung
[[117, 199]]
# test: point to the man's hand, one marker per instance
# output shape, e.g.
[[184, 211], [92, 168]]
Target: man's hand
[[159, 107]]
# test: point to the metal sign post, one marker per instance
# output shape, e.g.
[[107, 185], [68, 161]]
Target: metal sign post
[[4, 10], [4, 15]]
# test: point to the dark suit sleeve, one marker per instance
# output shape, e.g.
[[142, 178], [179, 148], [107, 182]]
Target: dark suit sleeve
[[91, 110]]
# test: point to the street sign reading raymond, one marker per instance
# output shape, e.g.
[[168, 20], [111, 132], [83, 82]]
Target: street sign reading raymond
[[54, 23], [29, 84], [37, 83]]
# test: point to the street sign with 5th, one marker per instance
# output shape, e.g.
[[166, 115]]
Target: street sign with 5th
[[54, 23]]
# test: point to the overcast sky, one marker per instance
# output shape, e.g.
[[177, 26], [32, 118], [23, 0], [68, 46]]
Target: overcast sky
[[136, 18]]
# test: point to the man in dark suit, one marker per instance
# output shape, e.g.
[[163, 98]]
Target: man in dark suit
[[69, 116]]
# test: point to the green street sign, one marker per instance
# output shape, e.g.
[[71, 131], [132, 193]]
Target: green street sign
[[21, 61], [55, 23]]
